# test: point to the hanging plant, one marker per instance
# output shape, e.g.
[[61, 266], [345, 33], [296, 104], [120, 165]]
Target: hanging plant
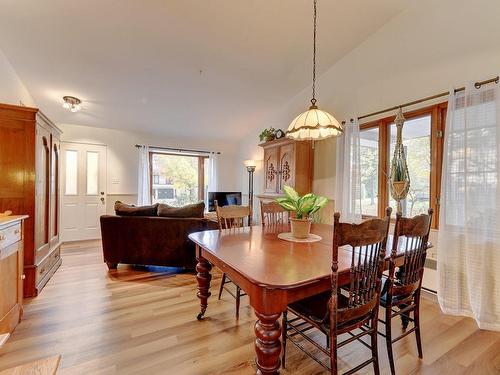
[[399, 177]]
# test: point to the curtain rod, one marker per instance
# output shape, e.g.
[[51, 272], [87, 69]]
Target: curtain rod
[[476, 85], [181, 150]]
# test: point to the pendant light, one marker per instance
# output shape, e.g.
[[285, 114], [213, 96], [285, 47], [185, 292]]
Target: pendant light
[[314, 124]]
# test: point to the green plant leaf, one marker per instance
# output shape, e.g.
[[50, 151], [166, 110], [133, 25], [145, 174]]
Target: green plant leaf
[[288, 206], [291, 193], [307, 203], [319, 203], [282, 199]]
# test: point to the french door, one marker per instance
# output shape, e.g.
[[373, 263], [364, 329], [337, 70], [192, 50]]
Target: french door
[[83, 190]]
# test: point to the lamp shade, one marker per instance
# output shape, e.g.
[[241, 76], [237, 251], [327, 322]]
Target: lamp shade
[[250, 163], [314, 124]]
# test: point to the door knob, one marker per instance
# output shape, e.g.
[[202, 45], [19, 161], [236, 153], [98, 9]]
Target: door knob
[[102, 199]]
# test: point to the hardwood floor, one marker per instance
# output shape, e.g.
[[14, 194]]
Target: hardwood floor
[[135, 321]]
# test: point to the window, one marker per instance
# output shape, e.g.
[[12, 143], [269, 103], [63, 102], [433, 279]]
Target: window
[[417, 146], [71, 172], [92, 172], [423, 143], [177, 179]]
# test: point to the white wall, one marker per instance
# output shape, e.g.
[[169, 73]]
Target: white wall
[[12, 90], [431, 47], [428, 49], [123, 157]]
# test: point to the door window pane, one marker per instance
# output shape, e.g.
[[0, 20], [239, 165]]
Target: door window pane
[[175, 179], [417, 145], [369, 153], [92, 172], [71, 173]]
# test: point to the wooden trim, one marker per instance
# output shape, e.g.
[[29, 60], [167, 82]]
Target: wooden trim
[[433, 193], [439, 154], [201, 177], [48, 158], [18, 108], [281, 142], [383, 165], [56, 187], [150, 156]]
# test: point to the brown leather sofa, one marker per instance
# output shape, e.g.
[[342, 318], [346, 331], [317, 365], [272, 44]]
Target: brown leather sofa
[[150, 240]]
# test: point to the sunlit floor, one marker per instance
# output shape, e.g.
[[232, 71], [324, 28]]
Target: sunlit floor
[[134, 321]]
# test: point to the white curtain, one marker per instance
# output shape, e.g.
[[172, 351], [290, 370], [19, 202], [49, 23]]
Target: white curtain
[[144, 178], [348, 178], [469, 223], [213, 161]]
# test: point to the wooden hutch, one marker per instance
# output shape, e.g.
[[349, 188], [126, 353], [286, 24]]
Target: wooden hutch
[[30, 164], [286, 162]]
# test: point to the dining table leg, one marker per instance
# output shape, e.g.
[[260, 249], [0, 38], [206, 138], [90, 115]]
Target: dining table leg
[[203, 277], [267, 343]]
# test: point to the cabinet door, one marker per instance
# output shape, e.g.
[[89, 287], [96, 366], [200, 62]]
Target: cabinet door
[[287, 166], [10, 292], [42, 192], [54, 191], [271, 170]]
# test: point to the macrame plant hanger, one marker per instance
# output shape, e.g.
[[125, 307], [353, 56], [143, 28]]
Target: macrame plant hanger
[[399, 178]]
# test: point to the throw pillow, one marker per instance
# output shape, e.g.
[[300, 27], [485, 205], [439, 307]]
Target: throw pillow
[[190, 210], [123, 209]]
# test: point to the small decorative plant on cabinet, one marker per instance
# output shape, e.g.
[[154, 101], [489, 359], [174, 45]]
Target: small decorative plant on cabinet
[[267, 135], [303, 207]]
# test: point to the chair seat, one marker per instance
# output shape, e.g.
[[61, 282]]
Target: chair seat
[[396, 299], [316, 309]]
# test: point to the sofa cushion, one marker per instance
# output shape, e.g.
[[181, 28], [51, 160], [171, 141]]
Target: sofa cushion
[[190, 210], [123, 209]]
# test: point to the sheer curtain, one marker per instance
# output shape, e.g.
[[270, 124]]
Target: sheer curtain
[[469, 223], [347, 177], [144, 178], [213, 161]]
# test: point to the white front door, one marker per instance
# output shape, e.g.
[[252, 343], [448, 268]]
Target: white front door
[[83, 190]]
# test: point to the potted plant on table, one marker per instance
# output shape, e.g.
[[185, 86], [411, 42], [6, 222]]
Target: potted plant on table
[[303, 207]]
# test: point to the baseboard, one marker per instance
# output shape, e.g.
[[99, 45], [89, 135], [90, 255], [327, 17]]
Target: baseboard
[[430, 294], [431, 264]]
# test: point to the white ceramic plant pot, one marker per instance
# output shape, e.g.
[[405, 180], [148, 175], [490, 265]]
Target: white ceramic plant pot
[[301, 227]]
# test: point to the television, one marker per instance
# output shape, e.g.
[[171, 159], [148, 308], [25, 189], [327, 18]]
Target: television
[[223, 198]]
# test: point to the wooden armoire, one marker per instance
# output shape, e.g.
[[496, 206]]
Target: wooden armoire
[[286, 162], [29, 184]]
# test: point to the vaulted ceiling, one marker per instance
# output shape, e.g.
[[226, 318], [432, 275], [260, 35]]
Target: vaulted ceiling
[[192, 68]]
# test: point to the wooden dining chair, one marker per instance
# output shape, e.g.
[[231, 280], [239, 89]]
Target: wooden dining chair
[[230, 218], [337, 311], [272, 213], [401, 288]]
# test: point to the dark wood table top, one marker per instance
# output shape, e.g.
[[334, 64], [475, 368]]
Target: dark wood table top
[[258, 254]]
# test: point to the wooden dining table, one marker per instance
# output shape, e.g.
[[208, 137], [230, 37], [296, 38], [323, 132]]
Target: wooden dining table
[[273, 273]]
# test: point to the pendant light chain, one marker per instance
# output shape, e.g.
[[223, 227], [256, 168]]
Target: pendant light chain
[[314, 124], [313, 100]]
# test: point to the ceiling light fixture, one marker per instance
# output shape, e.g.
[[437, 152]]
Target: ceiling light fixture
[[72, 103], [314, 124]]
